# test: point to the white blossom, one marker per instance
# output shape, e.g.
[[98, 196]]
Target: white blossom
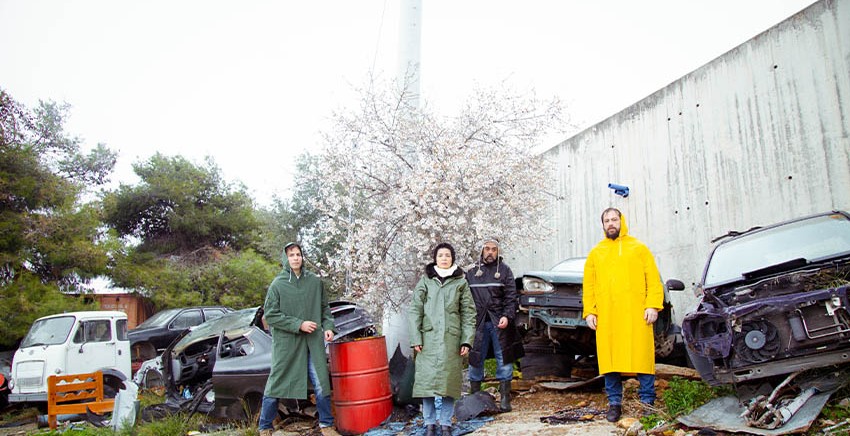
[[399, 179]]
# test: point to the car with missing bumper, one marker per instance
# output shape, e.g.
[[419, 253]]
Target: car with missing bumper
[[220, 367], [550, 316], [774, 301], [154, 334]]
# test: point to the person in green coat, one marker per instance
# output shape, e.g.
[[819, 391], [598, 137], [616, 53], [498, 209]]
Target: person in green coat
[[297, 312], [442, 328]]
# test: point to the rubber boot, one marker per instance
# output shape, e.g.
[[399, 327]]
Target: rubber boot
[[505, 393], [474, 386]]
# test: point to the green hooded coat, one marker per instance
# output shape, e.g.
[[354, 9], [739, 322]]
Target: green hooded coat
[[291, 300], [442, 318]]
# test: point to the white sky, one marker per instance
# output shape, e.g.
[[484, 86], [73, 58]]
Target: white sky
[[251, 83]]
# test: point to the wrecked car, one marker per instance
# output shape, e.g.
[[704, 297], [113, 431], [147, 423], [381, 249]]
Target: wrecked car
[[774, 301], [220, 367], [152, 336], [550, 319]]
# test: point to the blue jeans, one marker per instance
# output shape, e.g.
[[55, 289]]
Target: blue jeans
[[429, 410], [614, 388], [504, 371], [323, 402]]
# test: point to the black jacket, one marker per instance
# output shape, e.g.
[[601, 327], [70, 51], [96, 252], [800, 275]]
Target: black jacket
[[494, 298]]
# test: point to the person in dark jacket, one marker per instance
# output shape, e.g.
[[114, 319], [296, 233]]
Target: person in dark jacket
[[442, 325], [496, 302], [299, 317]]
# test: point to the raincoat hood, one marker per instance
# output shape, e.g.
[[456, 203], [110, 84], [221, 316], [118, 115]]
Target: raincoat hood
[[287, 269]]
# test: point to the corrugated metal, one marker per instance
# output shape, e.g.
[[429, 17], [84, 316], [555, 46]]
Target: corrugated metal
[[760, 134]]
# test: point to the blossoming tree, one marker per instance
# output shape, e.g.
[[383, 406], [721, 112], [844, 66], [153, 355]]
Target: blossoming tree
[[397, 179]]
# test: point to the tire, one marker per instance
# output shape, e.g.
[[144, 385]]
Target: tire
[[536, 365], [141, 352], [111, 386]]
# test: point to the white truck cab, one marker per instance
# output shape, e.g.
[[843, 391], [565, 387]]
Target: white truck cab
[[71, 343]]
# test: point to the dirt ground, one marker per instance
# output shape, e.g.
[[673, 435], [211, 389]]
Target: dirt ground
[[531, 402], [581, 413], [529, 406]]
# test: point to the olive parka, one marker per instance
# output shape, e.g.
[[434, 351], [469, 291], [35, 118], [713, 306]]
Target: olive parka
[[290, 300], [620, 282], [495, 297], [441, 319]]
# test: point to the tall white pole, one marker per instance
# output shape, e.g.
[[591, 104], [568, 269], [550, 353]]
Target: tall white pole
[[409, 45], [409, 42]]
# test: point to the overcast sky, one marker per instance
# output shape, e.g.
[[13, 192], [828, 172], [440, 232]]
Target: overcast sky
[[251, 83]]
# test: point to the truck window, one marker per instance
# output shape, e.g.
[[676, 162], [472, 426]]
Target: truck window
[[121, 329], [93, 331]]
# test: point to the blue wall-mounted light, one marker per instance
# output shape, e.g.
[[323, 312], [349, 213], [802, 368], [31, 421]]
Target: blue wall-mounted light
[[621, 190]]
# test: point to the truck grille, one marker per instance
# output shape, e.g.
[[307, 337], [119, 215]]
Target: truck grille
[[29, 382]]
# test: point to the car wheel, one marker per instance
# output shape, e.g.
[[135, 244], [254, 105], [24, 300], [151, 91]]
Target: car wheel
[[140, 352], [536, 365], [664, 347], [152, 379], [111, 386]]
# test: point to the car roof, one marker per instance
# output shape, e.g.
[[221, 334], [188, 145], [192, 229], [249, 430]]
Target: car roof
[[89, 314]]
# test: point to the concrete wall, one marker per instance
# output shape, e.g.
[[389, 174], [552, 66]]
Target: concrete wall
[[759, 135]]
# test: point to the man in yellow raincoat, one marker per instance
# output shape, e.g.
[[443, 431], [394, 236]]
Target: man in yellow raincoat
[[622, 294]]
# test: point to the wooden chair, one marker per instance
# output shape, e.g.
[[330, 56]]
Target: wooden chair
[[74, 393]]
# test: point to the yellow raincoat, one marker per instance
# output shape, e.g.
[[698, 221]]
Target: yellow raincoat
[[620, 282]]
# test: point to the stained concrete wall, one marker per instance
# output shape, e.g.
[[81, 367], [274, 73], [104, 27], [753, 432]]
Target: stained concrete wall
[[759, 135]]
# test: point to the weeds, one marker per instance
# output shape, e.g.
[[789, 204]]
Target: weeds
[[683, 396]]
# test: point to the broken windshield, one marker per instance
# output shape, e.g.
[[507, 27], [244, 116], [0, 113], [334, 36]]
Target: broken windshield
[[820, 237], [50, 331], [234, 323]]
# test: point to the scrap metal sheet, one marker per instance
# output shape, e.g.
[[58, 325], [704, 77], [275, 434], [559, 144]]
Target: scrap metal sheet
[[724, 414]]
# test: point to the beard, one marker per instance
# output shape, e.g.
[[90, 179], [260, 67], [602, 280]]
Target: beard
[[612, 233], [489, 258]]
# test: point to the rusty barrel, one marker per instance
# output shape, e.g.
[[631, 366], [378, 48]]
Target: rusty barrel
[[360, 377]]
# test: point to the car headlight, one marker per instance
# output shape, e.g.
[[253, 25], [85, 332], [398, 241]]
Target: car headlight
[[532, 285]]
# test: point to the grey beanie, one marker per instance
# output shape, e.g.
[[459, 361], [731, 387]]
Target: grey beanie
[[487, 239]]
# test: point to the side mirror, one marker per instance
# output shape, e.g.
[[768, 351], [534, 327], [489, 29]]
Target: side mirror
[[675, 285]]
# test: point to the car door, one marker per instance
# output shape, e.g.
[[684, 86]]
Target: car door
[[93, 347]]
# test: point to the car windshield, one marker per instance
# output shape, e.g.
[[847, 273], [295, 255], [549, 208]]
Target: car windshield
[[159, 319], [235, 322], [574, 265], [811, 239], [50, 331]]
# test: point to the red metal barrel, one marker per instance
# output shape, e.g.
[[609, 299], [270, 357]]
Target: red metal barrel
[[360, 376]]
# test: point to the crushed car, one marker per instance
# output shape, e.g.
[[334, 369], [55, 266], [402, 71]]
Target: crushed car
[[549, 317], [774, 310], [154, 334], [220, 367]]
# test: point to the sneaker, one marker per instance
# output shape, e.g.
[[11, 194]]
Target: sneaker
[[329, 431], [614, 412]]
